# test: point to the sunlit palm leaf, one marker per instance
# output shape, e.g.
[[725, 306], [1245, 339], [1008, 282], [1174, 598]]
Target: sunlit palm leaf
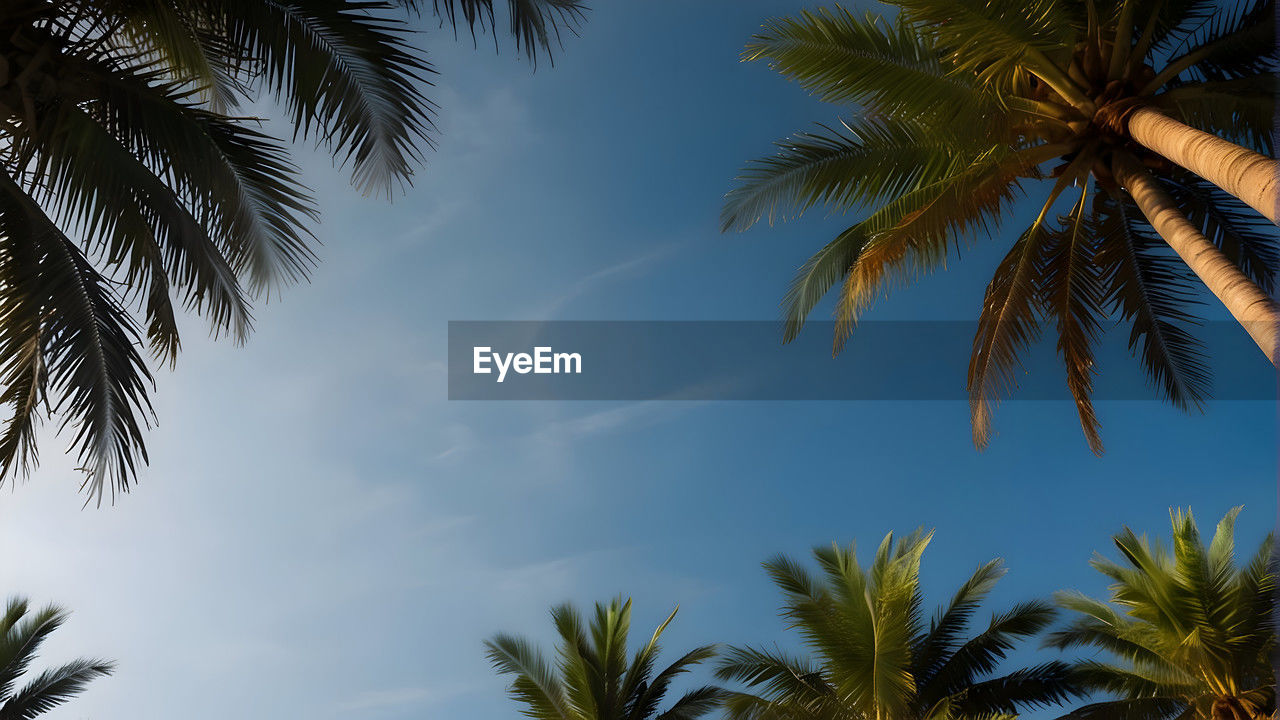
[[1189, 627], [593, 678], [870, 654]]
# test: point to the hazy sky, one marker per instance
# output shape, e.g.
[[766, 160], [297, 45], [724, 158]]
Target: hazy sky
[[321, 534]]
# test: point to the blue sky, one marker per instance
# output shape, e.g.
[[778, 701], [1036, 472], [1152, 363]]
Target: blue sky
[[321, 534]]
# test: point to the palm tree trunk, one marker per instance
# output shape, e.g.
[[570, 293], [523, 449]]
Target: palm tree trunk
[[1237, 170], [1248, 304]]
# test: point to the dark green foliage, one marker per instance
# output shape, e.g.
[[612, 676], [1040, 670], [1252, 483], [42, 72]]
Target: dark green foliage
[[23, 693], [130, 181]]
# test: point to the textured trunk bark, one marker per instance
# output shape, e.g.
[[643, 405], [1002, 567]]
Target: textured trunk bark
[[1252, 308], [1239, 171]]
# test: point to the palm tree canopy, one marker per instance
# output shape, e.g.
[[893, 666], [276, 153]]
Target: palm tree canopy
[[593, 677], [130, 182], [874, 655], [22, 632], [1190, 632], [960, 108]]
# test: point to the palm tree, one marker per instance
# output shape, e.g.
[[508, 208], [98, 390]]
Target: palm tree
[[593, 679], [22, 632], [961, 106], [130, 181], [874, 658], [1191, 633]]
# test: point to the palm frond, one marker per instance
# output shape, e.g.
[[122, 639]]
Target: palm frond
[[913, 234], [1238, 109], [23, 635], [348, 78], [1148, 708], [91, 357], [990, 37], [1039, 686], [1073, 293], [887, 67], [534, 686], [983, 653], [1008, 326], [1154, 292], [1246, 238], [946, 632], [695, 704], [842, 168], [536, 26], [52, 688]]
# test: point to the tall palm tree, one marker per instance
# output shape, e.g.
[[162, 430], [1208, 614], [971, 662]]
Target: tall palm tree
[[959, 107], [593, 678], [875, 658], [22, 632], [130, 181], [1191, 632]]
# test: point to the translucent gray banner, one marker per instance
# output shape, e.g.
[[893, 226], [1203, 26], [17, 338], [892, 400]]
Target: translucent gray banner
[[658, 360]]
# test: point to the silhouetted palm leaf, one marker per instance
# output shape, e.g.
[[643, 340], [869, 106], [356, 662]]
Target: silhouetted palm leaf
[[129, 181], [22, 632]]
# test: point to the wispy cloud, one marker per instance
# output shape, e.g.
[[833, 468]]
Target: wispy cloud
[[596, 280], [403, 697]]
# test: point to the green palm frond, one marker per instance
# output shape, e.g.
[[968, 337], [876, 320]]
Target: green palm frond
[[695, 704], [22, 633], [990, 37], [982, 654], [946, 631], [774, 674], [1039, 686], [1186, 624], [593, 679], [913, 234], [870, 653], [534, 686], [892, 70], [841, 169], [52, 688], [988, 92], [22, 636]]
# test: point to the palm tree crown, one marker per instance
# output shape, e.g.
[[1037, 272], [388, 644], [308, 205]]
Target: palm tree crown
[[874, 656], [594, 679], [1191, 632], [960, 107], [130, 182], [22, 632]]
